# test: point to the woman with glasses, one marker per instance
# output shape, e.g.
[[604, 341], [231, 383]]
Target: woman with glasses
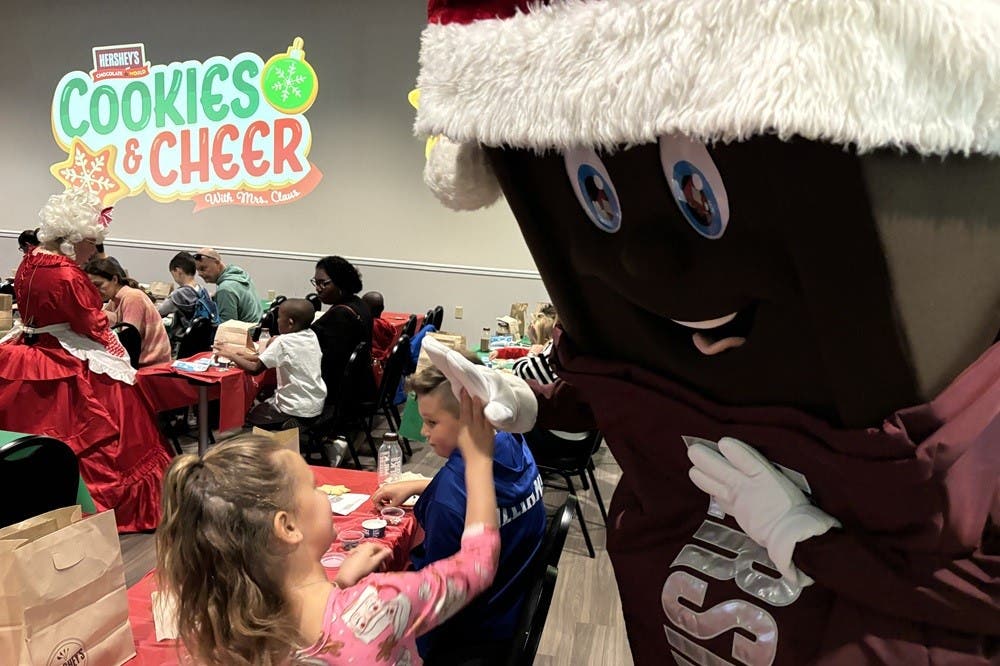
[[63, 372], [347, 322]]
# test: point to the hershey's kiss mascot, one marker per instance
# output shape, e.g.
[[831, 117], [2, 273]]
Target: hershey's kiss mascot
[[772, 233]]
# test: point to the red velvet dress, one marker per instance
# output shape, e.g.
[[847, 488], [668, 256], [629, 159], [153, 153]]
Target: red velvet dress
[[45, 389]]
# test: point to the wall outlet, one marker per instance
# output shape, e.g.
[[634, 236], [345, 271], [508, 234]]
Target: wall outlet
[[459, 311]]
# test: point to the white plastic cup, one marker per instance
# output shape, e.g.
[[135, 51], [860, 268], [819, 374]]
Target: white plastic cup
[[373, 528]]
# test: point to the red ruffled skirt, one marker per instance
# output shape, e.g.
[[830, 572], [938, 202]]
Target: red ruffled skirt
[[44, 390]]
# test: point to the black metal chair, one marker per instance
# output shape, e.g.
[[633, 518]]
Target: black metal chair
[[313, 298], [37, 474], [410, 327], [438, 316], [268, 322], [343, 415], [428, 317], [535, 611], [131, 340], [196, 338], [392, 375], [555, 456]]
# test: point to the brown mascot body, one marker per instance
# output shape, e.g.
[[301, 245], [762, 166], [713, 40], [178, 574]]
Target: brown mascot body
[[772, 233]]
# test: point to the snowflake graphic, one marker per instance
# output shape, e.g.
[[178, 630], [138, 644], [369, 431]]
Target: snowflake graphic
[[84, 167], [288, 82], [88, 171]]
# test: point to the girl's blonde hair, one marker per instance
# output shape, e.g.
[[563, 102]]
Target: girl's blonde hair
[[70, 217], [542, 323], [218, 556]]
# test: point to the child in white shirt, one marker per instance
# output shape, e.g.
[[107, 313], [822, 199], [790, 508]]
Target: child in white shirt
[[295, 354]]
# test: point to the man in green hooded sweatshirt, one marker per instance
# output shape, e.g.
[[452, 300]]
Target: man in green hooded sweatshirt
[[235, 292]]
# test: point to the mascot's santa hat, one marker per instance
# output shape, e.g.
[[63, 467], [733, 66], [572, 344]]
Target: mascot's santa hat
[[920, 75]]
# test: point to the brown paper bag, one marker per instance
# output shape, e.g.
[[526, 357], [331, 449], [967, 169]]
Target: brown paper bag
[[236, 332], [519, 311], [447, 339], [287, 438], [62, 592], [160, 290]]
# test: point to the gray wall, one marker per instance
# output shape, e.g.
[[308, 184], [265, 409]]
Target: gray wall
[[371, 205]]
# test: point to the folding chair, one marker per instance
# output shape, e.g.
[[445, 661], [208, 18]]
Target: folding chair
[[567, 459], [37, 474], [535, 611]]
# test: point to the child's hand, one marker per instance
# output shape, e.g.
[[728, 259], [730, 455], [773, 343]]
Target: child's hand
[[367, 558], [392, 494], [475, 434]]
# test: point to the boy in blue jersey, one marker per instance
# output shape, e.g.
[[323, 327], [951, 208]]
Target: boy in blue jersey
[[480, 634]]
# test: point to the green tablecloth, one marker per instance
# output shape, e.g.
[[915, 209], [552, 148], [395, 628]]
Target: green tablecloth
[[411, 421], [83, 497]]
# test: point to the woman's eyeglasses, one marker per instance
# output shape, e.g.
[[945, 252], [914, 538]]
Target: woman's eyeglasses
[[322, 284]]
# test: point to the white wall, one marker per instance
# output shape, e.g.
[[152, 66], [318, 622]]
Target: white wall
[[371, 205], [483, 293]]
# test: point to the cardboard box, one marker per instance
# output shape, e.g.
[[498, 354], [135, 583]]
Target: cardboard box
[[237, 333], [6, 302], [6, 321]]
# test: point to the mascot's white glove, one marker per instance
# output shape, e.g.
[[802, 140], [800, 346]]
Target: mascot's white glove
[[511, 405], [766, 504]]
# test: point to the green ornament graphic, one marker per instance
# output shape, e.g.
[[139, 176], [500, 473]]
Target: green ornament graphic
[[288, 82]]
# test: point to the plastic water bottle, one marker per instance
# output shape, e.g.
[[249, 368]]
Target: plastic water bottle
[[390, 459], [265, 335]]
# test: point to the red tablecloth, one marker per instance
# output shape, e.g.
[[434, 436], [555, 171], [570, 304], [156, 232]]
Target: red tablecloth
[[167, 388], [398, 537], [398, 321]]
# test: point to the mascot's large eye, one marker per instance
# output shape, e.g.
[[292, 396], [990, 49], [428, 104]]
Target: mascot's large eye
[[594, 189], [696, 184]]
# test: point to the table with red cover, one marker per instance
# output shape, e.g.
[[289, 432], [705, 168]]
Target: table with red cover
[[168, 388], [400, 538], [398, 321]]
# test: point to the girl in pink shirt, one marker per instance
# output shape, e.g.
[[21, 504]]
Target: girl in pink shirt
[[240, 544], [126, 303]]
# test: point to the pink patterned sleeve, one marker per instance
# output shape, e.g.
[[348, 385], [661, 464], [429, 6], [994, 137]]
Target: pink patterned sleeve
[[443, 588], [380, 618]]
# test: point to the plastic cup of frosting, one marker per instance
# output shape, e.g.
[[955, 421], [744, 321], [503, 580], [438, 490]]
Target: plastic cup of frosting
[[332, 560], [373, 528], [350, 538], [393, 515]]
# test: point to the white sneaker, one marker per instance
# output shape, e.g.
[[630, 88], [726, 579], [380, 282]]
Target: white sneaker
[[334, 451]]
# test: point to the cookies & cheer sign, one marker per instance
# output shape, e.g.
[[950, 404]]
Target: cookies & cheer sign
[[227, 131]]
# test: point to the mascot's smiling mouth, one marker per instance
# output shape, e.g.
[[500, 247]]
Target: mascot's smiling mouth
[[714, 336]]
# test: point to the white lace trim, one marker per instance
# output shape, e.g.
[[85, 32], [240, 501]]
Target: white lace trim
[[96, 355]]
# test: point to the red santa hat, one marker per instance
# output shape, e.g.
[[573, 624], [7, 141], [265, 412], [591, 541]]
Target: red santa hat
[[918, 75]]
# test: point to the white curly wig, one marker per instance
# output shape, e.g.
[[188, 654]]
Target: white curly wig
[[70, 217]]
